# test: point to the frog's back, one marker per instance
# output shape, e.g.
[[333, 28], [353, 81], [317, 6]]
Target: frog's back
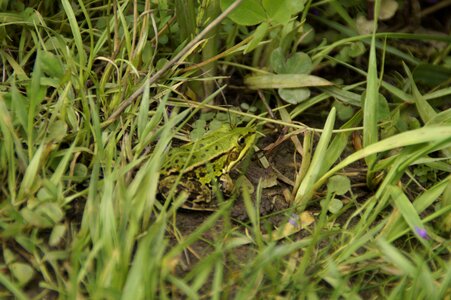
[[211, 146]]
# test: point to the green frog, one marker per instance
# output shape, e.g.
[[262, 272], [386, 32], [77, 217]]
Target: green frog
[[205, 164]]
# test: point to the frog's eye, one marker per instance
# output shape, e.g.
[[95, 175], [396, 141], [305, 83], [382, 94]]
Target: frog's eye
[[241, 140]]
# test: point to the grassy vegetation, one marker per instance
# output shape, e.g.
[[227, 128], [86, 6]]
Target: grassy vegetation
[[95, 93]]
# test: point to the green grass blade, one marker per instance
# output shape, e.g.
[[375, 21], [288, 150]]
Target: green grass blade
[[12, 287], [395, 226], [445, 286], [425, 110], [76, 32], [413, 137], [31, 176], [370, 131], [146, 264], [394, 256], [407, 210], [305, 191]]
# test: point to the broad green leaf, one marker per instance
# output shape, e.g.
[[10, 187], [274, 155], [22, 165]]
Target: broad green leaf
[[35, 219], [57, 131], [339, 185], [335, 205], [57, 234], [51, 211], [51, 65], [388, 9], [383, 110], [294, 96], [44, 194], [356, 49], [280, 11], [81, 172], [351, 51], [23, 272], [364, 26], [147, 53], [161, 63], [249, 12], [344, 112], [308, 34], [8, 255], [299, 63], [277, 60]]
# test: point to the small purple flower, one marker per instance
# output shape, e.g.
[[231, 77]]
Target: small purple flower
[[293, 220], [422, 232], [169, 110]]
